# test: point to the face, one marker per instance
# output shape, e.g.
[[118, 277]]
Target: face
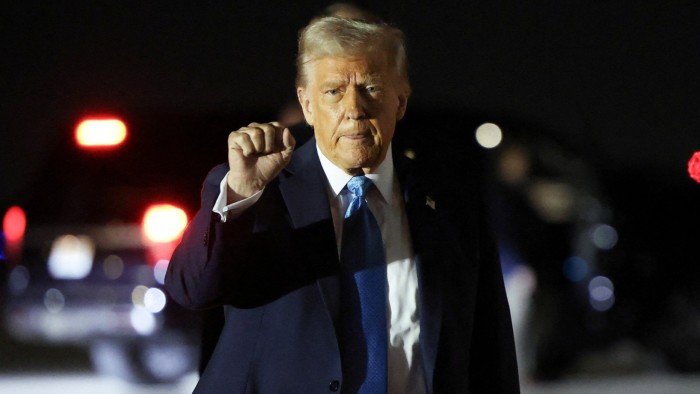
[[353, 103]]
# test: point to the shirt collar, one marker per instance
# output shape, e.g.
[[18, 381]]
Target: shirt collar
[[383, 177]]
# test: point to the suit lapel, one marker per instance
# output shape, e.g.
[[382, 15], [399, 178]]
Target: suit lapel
[[303, 187], [304, 190], [425, 226]]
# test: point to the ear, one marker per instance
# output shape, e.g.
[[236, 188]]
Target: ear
[[305, 105], [401, 110]]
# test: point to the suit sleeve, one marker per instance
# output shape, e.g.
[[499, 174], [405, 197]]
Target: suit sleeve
[[197, 275], [251, 260]]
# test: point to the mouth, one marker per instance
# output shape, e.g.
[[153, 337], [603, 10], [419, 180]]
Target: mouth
[[356, 140], [356, 137]]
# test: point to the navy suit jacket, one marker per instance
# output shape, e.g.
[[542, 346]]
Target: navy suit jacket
[[274, 270]]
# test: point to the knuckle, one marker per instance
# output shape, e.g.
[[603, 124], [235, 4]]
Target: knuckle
[[256, 133], [236, 136]]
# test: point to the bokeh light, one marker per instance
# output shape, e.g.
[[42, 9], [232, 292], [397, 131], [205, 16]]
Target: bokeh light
[[694, 167], [164, 223], [54, 300], [601, 293], [604, 236], [160, 269], [14, 224], [154, 300], [113, 266], [71, 257], [95, 133], [143, 321], [489, 135]]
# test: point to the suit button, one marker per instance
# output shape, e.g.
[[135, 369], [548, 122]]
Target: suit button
[[334, 385], [205, 238]]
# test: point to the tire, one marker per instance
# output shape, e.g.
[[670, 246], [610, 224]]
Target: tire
[[148, 360]]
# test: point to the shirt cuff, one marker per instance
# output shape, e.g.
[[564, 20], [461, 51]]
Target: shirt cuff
[[234, 210]]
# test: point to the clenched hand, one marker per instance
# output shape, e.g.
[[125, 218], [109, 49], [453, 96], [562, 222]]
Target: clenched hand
[[256, 154]]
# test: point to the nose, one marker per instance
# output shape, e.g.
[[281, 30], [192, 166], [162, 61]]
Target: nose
[[354, 104]]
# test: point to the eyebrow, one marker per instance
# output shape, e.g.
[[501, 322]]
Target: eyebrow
[[367, 79], [372, 79]]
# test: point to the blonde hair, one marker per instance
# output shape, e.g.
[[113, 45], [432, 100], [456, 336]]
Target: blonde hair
[[336, 36]]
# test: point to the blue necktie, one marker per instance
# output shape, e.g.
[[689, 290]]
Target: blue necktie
[[363, 330]]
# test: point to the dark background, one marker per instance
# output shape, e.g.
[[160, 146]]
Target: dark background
[[614, 82], [615, 79]]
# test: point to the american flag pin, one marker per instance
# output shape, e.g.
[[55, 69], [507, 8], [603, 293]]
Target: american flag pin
[[430, 202]]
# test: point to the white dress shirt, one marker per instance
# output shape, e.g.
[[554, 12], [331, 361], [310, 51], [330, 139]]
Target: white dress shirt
[[386, 203]]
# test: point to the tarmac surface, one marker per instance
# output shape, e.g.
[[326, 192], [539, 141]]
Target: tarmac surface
[[87, 383], [30, 369]]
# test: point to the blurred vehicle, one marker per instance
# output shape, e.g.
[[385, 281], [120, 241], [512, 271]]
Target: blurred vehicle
[[89, 238], [596, 259], [555, 227]]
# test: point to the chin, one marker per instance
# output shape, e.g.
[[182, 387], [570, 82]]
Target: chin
[[362, 161], [358, 156]]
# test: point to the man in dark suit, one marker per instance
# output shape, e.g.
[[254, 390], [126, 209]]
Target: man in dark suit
[[266, 243]]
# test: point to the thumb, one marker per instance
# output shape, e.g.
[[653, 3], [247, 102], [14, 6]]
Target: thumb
[[288, 141]]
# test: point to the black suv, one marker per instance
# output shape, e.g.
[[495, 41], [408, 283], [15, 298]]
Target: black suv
[[89, 238]]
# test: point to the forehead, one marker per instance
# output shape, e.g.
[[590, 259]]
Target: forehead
[[365, 66]]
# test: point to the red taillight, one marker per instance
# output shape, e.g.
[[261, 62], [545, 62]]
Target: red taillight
[[694, 167], [100, 132], [164, 223], [14, 224]]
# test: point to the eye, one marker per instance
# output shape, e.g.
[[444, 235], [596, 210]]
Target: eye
[[333, 94], [373, 91]]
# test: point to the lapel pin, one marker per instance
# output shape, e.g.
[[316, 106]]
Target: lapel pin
[[430, 202]]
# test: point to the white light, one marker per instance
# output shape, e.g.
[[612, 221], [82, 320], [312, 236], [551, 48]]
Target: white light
[[154, 300], [489, 135], [160, 269], [601, 293], [143, 321], [71, 257]]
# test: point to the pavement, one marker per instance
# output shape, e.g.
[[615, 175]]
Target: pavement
[[31, 368], [632, 384], [88, 383]]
